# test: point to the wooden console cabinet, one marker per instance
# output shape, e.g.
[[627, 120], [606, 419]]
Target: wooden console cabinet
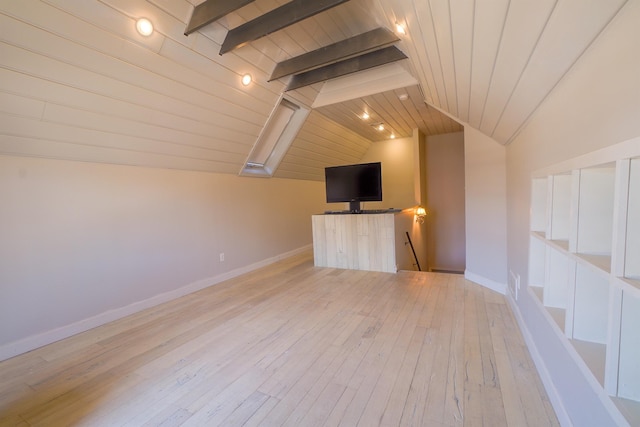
[[357, 242]]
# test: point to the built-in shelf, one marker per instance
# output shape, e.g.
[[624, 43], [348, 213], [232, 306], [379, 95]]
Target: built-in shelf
[[630, 285], [632, 229], [630, 409], [584, 268], [562, 245], [538, 292], [558, 315], [593, 356], [539, 235], [599, 262]]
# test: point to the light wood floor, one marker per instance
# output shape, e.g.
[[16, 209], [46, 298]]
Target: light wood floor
[[291, 345]]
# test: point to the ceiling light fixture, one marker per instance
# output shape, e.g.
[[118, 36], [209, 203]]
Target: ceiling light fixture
[[393, 136], [365, 116], [144, 27], [403, 97], [246, 79], [380, 127], [400, 29]]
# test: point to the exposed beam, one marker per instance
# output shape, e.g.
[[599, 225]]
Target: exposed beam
[[356, 45], [348, 66], [277, 19], [212, 10]]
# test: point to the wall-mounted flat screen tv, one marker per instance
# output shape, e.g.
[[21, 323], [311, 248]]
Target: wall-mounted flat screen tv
[[354, 184]]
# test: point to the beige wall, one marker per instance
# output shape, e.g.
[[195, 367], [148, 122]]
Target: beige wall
[[401, 189], [445, 202], [486, 210], [80, 239], [398, 172]]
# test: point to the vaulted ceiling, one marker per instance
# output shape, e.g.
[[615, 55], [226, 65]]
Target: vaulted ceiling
[[78, 82]]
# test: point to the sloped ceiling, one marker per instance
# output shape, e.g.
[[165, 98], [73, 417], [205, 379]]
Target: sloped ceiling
[[77, 82]]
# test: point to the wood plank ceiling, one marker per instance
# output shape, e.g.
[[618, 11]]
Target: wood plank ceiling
[[77, 82]]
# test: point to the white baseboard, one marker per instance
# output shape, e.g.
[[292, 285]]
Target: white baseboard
[[545, 377], [487, 283], [35, 341]]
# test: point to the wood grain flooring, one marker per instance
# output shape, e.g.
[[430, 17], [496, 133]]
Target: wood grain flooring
[[291, 345]]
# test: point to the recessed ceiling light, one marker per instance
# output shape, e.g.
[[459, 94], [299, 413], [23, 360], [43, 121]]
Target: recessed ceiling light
[[365, 116], [393, 136], [144, 27], [403, 97], [380, 127], [246, 79], [400, 29]]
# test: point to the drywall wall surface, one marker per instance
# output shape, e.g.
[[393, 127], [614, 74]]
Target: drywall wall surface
[[445, 202], [485, 209], [397, 157], [596, 105], [81, 239]]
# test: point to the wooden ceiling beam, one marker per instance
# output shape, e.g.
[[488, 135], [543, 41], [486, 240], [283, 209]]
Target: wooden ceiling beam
[[326, 55], [348, 66], [210, 11], [277, 19]]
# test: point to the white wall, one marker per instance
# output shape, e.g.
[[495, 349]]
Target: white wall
[[597, 104], [486, 210], [82, 241], [445, 201]]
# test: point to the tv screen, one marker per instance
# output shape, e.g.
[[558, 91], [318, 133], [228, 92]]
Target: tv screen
[[354, 184]]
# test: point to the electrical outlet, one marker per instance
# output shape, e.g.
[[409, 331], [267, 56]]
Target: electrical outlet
[[514, 284], [222, 257]]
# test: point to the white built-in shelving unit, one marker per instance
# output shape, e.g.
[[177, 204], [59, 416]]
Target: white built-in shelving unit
[[584, 265]]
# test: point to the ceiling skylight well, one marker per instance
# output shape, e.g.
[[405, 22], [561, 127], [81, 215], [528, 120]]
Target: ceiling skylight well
[[283, 125]]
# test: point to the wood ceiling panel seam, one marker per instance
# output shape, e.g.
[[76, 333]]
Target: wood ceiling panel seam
[[324, 159], [324, 153], [54, 150], [85, 80], [340, 114], [495, 62], [434, 77], [95, 121], [549, 77], [56, 93], [327, 25], [462, 40], [115, 58], [389, 123], [441, 18], [345, 142], [514, 56], [331, 149], [404, 117], [64, 134], [488, 27], [393, 121], [176, 38], [522, 72], [421, 63], [332, 144], [425, 17], [333, 128]]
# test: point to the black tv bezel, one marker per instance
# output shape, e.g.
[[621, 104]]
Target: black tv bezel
[[354, 196]]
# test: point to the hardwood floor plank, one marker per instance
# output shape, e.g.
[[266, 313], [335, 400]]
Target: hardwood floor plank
[[290, 345]]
